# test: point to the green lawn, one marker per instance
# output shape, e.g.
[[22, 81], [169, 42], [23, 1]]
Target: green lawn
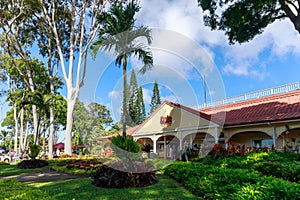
[[11, 189], [10, 170], [82, 189]]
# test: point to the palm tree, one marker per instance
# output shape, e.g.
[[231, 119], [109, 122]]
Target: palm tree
[[118, 34]]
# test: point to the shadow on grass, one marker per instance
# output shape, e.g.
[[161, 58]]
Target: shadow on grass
[[10, 170], [83, 189]]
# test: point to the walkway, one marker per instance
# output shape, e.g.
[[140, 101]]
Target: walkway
[[44, 176]]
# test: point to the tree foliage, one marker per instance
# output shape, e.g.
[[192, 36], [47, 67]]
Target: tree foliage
[[119, 34], [242, 20], [90, 122], [136, 106], [155, 99]]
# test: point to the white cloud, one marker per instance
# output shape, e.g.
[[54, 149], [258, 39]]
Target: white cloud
[[180, 16], [147, 94], [177, 30], [279, 38], [114, 94], [285, 38]]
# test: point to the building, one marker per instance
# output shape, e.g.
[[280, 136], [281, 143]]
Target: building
[[266, 118]]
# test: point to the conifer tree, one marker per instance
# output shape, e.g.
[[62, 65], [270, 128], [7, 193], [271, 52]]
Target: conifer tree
[[132, 102], [140, 106], [155, 100]]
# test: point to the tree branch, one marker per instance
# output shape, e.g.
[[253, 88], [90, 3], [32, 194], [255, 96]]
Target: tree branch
[[287, 10], [292, 4], [52, 25]]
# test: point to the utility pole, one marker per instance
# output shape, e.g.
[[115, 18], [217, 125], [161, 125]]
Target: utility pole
[[204, 87]]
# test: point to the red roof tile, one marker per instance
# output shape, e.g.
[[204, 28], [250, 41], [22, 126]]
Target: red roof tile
[[268, 109]]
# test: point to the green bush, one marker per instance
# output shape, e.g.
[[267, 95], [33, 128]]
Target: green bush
[[287, 171], [126, 143], [219, 182], [30, 164], [34, 151]]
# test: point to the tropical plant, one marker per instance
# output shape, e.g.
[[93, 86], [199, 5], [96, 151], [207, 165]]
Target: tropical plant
[[126, 143], [118, 33], [34, 150], [110, 177]]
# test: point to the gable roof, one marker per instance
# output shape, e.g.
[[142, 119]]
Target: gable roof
[[198, 113], [190, 110]]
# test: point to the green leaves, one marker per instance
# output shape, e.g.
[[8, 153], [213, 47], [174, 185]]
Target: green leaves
[[212, 182], [244, 19], [34, 150], [155, 99], [126, 143]]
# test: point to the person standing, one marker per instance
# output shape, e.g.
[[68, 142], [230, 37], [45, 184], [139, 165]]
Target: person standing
[[57, 152]]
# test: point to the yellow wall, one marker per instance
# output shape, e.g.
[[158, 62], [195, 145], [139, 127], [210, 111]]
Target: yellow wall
[[180, 119]]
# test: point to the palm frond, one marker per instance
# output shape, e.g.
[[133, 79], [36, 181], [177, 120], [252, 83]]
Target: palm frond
[[146, 57], [142, 32]]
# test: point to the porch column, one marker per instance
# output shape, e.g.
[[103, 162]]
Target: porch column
[[154, 145], [180, 141], [274, 136], [191, 140], [165, 147], [216, 135]]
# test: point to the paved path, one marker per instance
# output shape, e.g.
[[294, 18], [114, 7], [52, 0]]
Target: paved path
[[44, 176]]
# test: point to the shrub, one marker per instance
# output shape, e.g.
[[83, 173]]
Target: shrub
[[126, 143], [211, 182], [110, 177], [287, 171], [34, 151], [125, 148], [28, 164]]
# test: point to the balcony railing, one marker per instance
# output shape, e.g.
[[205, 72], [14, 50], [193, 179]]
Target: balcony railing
[[251, 95]]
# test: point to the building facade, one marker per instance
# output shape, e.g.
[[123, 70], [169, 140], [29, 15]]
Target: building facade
[[271, 121]]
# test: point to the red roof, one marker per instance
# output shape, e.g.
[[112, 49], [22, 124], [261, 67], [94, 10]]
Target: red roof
[[280, 107]]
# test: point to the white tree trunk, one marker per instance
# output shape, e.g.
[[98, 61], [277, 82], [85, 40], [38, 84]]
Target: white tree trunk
[[21, 130], [16, 129], [51, 128], [26, 134], [68, 139], [35, 124], [81, 36]]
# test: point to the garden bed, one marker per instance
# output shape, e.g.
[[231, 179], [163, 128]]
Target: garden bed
[[254, 176]]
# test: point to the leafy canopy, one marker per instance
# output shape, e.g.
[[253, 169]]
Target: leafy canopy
[[242, 20]]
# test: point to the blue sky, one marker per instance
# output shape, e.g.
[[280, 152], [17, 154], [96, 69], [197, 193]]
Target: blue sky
[[185, 50]]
